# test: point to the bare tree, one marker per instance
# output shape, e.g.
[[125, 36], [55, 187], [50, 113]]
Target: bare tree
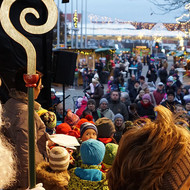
[[169, 5]]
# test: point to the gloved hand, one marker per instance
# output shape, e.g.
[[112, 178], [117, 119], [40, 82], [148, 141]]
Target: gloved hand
[[39, 186]]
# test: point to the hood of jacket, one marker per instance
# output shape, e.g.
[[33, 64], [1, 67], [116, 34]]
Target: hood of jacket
[[77, 183], [46, 175]]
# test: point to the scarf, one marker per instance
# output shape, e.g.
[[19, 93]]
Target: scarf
[[145, 105]]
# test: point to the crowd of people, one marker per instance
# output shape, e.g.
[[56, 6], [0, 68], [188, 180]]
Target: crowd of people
[[131, 137]]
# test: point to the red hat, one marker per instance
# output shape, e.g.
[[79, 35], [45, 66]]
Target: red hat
[[80, 122], [63, 128], [89, 117], [74, 133]]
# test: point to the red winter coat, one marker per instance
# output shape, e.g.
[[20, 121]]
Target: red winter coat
[[82, 108], [158, 96]]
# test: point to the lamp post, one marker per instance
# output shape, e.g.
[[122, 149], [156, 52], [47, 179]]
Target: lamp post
[[75, 28], [81, 35], [72, 24], [58, 25], [86, 15], [65, 28]]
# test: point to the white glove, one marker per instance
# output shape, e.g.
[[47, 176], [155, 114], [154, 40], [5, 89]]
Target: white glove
[[39, 186]]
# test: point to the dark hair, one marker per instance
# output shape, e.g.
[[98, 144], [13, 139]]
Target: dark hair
[[86, 112], [137, 82], [91, 101], [19, 81], [141, 78], [114, 91], [133, 106]]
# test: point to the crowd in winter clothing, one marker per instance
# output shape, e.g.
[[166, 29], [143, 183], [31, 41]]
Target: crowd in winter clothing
[[112, 130]]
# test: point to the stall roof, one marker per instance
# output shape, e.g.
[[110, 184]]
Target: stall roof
[[115, 30], [179, 54], [119, 51], [102, 49]]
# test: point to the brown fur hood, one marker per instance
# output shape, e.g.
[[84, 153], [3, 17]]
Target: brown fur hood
[[50, 178]]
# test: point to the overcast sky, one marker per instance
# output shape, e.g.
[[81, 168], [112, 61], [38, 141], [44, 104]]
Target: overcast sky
[[128, 10]]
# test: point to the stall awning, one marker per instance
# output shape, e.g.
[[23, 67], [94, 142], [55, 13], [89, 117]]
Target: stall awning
[[179, 54], [119, 51], [102, 50]]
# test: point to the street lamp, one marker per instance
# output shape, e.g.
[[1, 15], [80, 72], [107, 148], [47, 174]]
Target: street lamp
[[75, 28]]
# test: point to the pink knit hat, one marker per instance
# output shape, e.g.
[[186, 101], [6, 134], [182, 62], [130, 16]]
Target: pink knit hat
[[147, 97]]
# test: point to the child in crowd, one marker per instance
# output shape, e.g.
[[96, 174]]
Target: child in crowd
[[111, 151], [63, 128], [110, 82], [119, 127], [187, 106], [89, 176], [88, 131], [106, 130], [53, 174], [49, 119]]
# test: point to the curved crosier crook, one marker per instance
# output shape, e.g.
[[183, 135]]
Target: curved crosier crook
[[20, 38]]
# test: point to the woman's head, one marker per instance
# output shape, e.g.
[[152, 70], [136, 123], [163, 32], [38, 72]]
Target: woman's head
[[141, 93], [91, 105], [118, 120], [146, 98], [154, 155]]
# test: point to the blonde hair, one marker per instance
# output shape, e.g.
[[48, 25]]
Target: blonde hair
[[147, 152], [7, 160]]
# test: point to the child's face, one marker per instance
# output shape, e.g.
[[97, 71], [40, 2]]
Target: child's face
[[187, 106], [91, 107], [179, 110], [118, 122], [89, 134]]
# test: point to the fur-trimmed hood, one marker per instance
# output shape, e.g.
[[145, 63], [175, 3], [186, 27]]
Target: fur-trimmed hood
[[51, 180]]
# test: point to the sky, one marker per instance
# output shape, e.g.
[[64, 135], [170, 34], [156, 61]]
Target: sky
[[127, 10]]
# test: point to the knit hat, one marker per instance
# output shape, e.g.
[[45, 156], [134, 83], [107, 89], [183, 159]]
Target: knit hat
[[170, 79], [160, 84], [146, 96], [179, 173], [92, 152], [187, 98], [49, 118], [118, 115], [59, 159], [71, 118], [41, 111], [91, 101], [103, 100], [111, 151], [95, 80], [63, 128], [105, 127], [86, 126]]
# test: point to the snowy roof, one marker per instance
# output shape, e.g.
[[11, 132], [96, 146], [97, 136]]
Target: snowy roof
[[114, 29], [159, 27]]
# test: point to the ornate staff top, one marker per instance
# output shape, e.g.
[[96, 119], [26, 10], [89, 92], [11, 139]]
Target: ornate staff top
[[20, 38]]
